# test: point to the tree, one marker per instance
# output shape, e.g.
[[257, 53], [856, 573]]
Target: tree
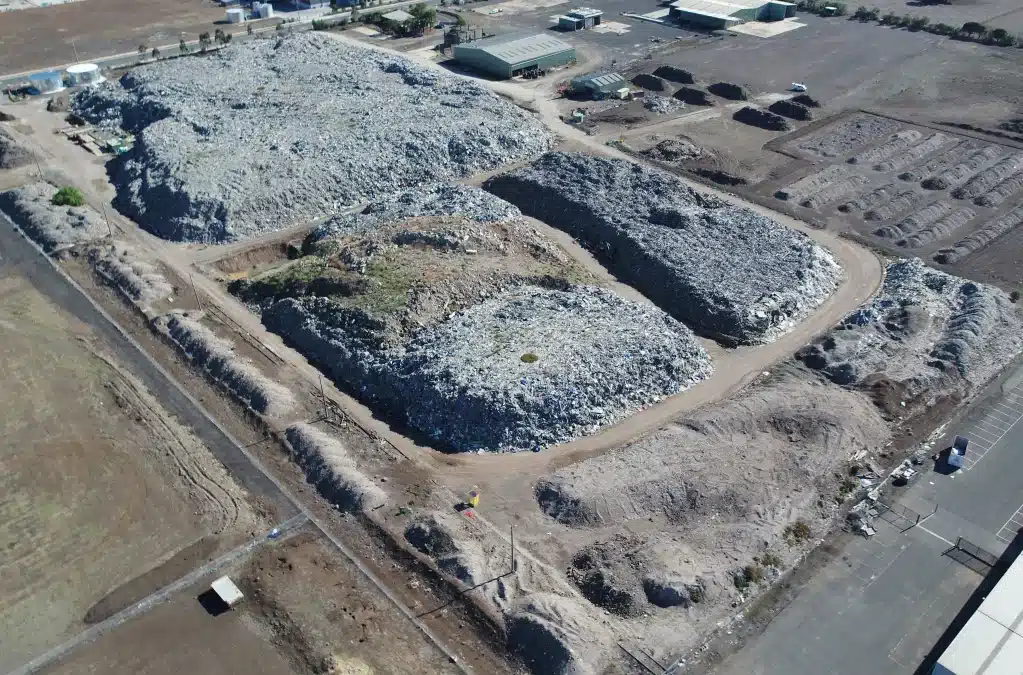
[[973, 28], [919, 23], [218, 36], [889, 19], [423, 17], [248, 29], [182, 47], [204, 41], [68, 196], [460, 20], [155, 53], [142, 50], [227, 38]]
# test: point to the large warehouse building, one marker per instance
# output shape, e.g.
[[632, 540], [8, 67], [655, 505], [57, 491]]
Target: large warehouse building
[[506, 56], [722, 14], [991, 642]]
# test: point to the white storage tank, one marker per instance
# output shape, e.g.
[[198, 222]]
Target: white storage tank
[[265, 10], [85, 74], [48, 82], [236, 15]]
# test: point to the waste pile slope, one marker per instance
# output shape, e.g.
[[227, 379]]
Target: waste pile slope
[[120, 265], [663, 524], [926, 333], [724, 270], [475, 333], [329, 466], [52, 227], [12, 153], [274, 131]]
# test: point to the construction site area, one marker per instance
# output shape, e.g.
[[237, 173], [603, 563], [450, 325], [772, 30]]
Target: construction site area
[[449, 373]]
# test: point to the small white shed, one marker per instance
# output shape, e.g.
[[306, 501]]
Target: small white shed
[[227, 591]]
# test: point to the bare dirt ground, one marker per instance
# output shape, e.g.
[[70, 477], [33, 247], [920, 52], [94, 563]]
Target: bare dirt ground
[[40, 38], [100, 486]]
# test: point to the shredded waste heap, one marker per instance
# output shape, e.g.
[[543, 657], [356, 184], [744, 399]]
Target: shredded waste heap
[[274, 131], [725, 270]]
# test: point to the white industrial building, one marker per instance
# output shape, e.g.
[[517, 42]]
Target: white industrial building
[[236, 15], [47, 83], [723, 14], [991, 642]]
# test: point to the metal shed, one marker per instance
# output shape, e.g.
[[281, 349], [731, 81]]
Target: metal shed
[[599, 85], [506, 56], [580, 19]]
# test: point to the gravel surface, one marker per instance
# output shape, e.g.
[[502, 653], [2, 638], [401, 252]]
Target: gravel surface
[[925, 330], [724, 270], [527, 369], [52, 227], [275, 131], [471, 203]]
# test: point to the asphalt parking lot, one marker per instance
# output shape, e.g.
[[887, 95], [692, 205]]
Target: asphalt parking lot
[[881, 606]]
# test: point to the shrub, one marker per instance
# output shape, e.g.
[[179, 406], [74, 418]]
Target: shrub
[[750, 574], [1014, 296], [770, 560], [942, 29], [68, 196], [798, 531], [889, 19], [919, 23], [904, 21], [973, 28]]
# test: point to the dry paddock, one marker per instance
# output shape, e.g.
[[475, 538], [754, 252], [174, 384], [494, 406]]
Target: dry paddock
[[40, 38], [99, 486]]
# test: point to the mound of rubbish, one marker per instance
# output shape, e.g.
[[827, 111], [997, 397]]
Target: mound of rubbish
[[674, 150], [52, 227], [693, 96], [329, 466], [755, 117], [733, 92], [555, 635], [791, 109], [440, 536], [119, 264], [528, 368], [725, 270], [718, 176], [467, 202], [807, 100], [673, 74], [217, 357], [662, 105], [594, 571], [276, 131], [926, 331], [12, 153], [649, 82], [694, 473]]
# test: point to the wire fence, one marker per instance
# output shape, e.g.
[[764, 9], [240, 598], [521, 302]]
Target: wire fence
[[970, 555]]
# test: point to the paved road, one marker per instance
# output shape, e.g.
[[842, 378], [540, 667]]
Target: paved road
[[880, 607]]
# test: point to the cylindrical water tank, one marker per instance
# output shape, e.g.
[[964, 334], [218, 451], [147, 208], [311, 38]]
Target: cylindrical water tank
[[48, 82], [85, 73], [266, 11], [235, 15]]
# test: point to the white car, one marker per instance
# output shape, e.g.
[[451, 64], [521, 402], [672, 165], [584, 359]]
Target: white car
[[797, 86]]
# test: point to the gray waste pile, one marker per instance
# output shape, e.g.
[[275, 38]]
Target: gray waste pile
[[217, 357], [724, 270], [926, 330], [663, 105], [275, 131], [52, 227], [12, 153], [121, 267], [438, 200], [329, 466], [527, 369]]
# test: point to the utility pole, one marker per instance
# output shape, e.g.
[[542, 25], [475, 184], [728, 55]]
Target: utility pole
[[514, 566], [323, 397], [110, 231], [197, 301], [76, 50]]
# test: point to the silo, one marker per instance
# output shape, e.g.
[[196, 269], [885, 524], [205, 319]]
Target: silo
[[47, 83], [236, 15], [84, 74]]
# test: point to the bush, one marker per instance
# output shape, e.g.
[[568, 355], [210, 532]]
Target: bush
[[973, 28], [919, 23], [770, 560], [68, 196], [798, 531], [942, 29], [1014, 296], [889, 19], [904, 21]]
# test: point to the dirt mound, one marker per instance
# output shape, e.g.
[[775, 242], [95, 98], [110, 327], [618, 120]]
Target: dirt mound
[[443, 538], [59, 103], [930, 331], [217, 357], [807, 100], [119, 264], [12, 153], [733, 92], [981, 237], [673, 591], [694, 96], [674, 150], [763, 119], [593, 570], [649, 82], [718, 176], [673, 74], [332, 470], [792, 110], [848, 136], [554, 635]]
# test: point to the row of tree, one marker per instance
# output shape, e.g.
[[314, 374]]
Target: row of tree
[[970, 30], [205, 41]]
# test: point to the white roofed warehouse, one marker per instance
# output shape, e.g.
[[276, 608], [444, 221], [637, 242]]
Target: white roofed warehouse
[[505, 56], [722, 14]]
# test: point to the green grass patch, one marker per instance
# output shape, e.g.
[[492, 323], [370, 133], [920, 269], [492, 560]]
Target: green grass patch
[[68, 196]]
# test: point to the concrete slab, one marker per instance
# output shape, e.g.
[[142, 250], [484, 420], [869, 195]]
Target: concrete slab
[[769, 29]]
